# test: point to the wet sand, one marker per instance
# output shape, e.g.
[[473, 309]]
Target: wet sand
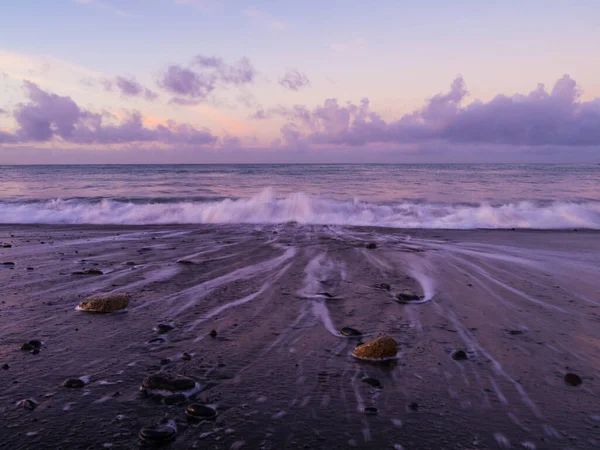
[[523, 305]]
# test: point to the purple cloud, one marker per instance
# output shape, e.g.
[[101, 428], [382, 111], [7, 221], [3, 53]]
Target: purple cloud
[[49, 116], [535, 119], [193, 84], [131, 88], [294, 80]]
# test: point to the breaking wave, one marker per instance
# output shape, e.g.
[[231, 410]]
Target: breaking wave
[[266, 207]]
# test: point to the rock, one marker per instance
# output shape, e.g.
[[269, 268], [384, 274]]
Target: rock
[[383, 286], [130, 263], [460, 355], [74, 383], [185, 262], [515, 332], [105, 302], [8, 263], [35, 351], [414, 406], [383, 347], [165, 361], [200, 412], [28, 404], [372, 382], [213, 334], [5, 366], [407, 298], [27, 347], [572, 379], [30, 268], [371, 410], [371, 245], [350, 332], [186, 356], [162, 328], [165, 382], [35, 343], [160, 433], [88, 272], [7, 246]]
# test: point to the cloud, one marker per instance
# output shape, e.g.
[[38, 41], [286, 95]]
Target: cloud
[[3, 112], [128, 87], [195, 83], [48, 117], [538, 118], [294, 80], [267, 19]]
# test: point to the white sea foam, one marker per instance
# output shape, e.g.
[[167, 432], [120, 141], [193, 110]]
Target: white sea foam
[[267, 207]]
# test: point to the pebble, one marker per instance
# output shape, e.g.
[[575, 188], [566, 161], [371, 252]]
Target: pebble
[[185, 262], [407, 298], [460, 355], [213, 333], [350, 332], [167, 382], [572, 379], [160, 433], [88, 272], [200, 411], [163, 328], [73, 383], [28, 404], [372, 381], [383, 347], [5, 366], [186, 356], [371, 245], [371, 410]]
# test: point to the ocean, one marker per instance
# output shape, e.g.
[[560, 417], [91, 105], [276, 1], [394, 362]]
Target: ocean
[[450, 196]]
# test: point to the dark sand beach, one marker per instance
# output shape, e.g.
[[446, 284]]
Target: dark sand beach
[[524, 306]]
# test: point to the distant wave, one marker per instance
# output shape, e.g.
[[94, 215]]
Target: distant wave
[[298, 207]]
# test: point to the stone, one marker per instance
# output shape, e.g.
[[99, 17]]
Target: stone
[[8, 263], [162, 328], [105, 302], [407, 298], [350, 332], [165, 382], [382, 347], [88, 272], [160, 433], [27, 347], [371, 410], [5, 366], [185, 262], [35, 343], [460, 355], [200, 411], [7, 246], [371, 245], [75, 383], [186, 356], [28, 404], [572, 379], [372, 382], [130, 263], [515, 332], [414, 406], [213, 334]]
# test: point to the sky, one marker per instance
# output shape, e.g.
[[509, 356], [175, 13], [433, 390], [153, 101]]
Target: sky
[[230, 81]]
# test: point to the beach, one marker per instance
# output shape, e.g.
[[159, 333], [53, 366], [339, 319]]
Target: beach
[[523, 306]]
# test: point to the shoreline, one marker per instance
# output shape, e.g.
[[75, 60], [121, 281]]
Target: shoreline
[[523, 305]]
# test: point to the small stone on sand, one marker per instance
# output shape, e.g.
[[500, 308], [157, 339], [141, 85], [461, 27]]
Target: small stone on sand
[[407, 298], [350, 332], [371, 245], [160, 433], [213, 334], [105, 302], [572, 379], [73, 383], [383, 347], [200, 411], [460, 355], [166, 382]]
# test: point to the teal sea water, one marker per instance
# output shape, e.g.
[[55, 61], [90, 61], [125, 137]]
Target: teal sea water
[[404, 195]]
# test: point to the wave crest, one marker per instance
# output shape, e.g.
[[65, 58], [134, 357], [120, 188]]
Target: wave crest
[[266, 207]]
